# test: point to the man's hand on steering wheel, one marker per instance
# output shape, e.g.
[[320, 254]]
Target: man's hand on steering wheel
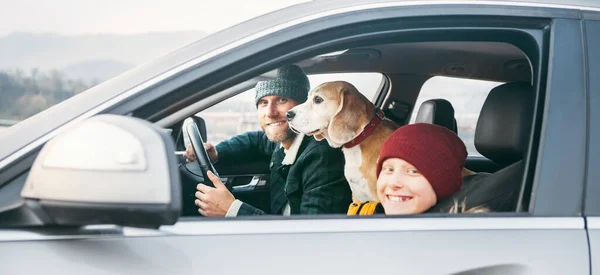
[[213, 201], [211, 150]]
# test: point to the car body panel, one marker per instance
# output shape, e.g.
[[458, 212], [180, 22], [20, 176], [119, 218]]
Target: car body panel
[[563, 130], [414, 246], [592, 191], [592, 204], [593, 225]]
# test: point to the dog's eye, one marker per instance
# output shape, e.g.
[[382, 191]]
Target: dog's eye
[[317, 99]]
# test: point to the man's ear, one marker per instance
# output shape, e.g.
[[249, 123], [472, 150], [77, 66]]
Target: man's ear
[[345, 124]]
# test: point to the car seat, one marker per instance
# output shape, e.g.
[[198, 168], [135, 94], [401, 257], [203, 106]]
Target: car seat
[[502, 135]]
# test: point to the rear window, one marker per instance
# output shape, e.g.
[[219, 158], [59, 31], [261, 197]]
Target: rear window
[[467, 97]]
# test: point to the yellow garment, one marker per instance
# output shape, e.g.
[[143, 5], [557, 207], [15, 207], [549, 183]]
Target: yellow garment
[[362, 208]]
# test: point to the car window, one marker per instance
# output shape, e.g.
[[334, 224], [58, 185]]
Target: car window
[[465, 95], [237, 115]]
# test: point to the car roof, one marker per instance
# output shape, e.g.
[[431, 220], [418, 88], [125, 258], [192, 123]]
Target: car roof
[[575, 3], [593, 4]]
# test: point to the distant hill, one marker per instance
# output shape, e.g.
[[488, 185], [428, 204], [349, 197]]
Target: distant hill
[[96, 70], [78, 54]]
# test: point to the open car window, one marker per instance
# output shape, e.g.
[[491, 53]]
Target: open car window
[[466, 96], [237, 115]]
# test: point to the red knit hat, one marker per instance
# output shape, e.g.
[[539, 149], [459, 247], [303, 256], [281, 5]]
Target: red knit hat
[[435, 151]]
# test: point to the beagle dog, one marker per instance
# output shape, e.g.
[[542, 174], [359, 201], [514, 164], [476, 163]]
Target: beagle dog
[[338, 113]]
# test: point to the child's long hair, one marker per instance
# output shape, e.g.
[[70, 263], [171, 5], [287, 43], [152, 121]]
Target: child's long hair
[[462, 208]]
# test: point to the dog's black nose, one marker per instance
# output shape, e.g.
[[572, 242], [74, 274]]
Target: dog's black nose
[[289, 115]]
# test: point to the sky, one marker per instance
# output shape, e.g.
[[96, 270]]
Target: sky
[[72, 17]]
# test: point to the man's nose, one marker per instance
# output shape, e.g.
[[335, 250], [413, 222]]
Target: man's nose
[[272, 111], [290, 115]]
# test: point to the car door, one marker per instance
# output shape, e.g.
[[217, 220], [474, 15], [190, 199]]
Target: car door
[[548, 236]]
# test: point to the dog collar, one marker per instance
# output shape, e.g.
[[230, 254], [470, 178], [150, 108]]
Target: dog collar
[[368, 130]]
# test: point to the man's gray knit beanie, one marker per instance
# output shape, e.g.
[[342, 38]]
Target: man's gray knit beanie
[[290, 82]]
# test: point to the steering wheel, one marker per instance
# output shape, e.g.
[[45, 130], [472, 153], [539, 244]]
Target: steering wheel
[[193, 133]]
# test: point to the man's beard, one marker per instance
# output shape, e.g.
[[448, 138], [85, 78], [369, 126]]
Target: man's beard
[[280, 136]]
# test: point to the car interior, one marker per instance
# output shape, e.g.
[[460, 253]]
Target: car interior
[[502, 135]]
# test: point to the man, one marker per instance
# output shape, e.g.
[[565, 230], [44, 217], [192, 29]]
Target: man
[[307, 176]]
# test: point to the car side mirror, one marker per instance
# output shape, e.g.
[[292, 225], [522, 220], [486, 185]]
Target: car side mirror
[[108, 169]]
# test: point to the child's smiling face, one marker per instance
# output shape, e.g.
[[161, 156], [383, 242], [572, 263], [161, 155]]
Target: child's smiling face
[[402, 189]]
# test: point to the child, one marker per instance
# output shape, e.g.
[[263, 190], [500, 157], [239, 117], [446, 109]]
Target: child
[[419, 164]]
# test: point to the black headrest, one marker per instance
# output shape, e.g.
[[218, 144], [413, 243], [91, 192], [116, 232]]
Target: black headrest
[[504, 124], [439, 112]]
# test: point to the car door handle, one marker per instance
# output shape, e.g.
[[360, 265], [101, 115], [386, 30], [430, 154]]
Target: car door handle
[[250, 186]]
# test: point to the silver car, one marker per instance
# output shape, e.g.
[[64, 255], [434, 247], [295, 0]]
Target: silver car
[[98, 185]]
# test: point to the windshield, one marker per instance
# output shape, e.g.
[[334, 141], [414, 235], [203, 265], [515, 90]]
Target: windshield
[[64, 47]]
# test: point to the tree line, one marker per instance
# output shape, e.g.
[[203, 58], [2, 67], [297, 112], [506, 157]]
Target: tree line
[[23, 94]]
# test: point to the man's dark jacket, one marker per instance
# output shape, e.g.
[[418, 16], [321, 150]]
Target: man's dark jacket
[[313, 184]]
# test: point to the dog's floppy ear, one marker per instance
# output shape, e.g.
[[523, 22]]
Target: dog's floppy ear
[[345, 124]]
